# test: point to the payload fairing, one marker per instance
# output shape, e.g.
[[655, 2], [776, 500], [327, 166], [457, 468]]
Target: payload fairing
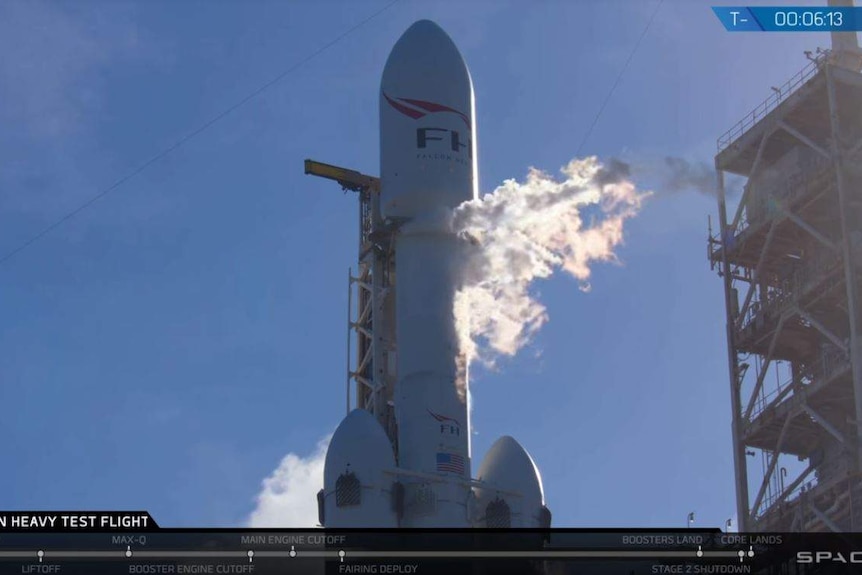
[[420, 474]]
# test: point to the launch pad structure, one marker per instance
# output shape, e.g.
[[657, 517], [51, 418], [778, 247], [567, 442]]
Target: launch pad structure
[[790, 259], [372, 371]]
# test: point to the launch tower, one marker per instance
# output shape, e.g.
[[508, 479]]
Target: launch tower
[[790, 259]]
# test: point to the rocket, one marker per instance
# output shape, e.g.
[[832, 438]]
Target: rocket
[[419, 475]]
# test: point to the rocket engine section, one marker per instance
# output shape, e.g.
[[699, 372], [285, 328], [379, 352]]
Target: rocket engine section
[[356, 490], [511, 493]]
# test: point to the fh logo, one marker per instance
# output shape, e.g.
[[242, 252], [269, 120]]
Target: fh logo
[[424, 135], [419, 109], [448, 425]]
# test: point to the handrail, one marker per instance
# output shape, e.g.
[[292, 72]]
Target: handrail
[[772, 101]]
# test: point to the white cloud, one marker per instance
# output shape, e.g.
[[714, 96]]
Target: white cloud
[[288, 497]]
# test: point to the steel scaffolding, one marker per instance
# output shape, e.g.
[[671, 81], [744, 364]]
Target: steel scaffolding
[[374, 323], [790, 261], [371, 322]]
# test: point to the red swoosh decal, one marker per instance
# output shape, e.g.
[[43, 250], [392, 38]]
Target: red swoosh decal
[[439, 417], [431, 107], [404, 109]]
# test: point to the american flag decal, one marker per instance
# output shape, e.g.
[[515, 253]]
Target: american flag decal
[[450, 463]]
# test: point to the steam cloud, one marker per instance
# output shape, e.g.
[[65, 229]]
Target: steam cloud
[[674, 174], [288, 497], [524, 231], [680, 174]]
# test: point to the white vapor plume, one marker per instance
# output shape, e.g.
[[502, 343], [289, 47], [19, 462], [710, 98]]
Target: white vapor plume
[[679, 174], [674, 174], [524, 231], [288, 497]]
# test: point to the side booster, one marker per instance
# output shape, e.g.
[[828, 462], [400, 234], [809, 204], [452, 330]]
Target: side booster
[[428, 168]]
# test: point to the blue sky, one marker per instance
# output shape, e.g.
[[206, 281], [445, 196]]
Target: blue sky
[[167, 347]]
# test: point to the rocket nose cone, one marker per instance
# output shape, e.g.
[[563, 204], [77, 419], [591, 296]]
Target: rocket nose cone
[[426, 30], [427, 125], [424, 54]]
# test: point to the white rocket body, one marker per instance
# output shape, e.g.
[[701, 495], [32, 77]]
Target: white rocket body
[[427, 153], [428, 168]]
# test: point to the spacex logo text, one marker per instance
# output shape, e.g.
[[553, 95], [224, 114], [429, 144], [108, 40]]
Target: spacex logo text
[[828, 557]]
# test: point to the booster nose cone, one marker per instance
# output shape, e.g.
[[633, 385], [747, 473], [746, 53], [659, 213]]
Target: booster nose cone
[[427, 127], [508, 467], [355, 486]]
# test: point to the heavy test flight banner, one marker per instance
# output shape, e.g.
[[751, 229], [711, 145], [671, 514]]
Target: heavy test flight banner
[[97, 542]]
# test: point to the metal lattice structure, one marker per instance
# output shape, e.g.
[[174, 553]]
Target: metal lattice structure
[[374, 323], [790, 259]]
